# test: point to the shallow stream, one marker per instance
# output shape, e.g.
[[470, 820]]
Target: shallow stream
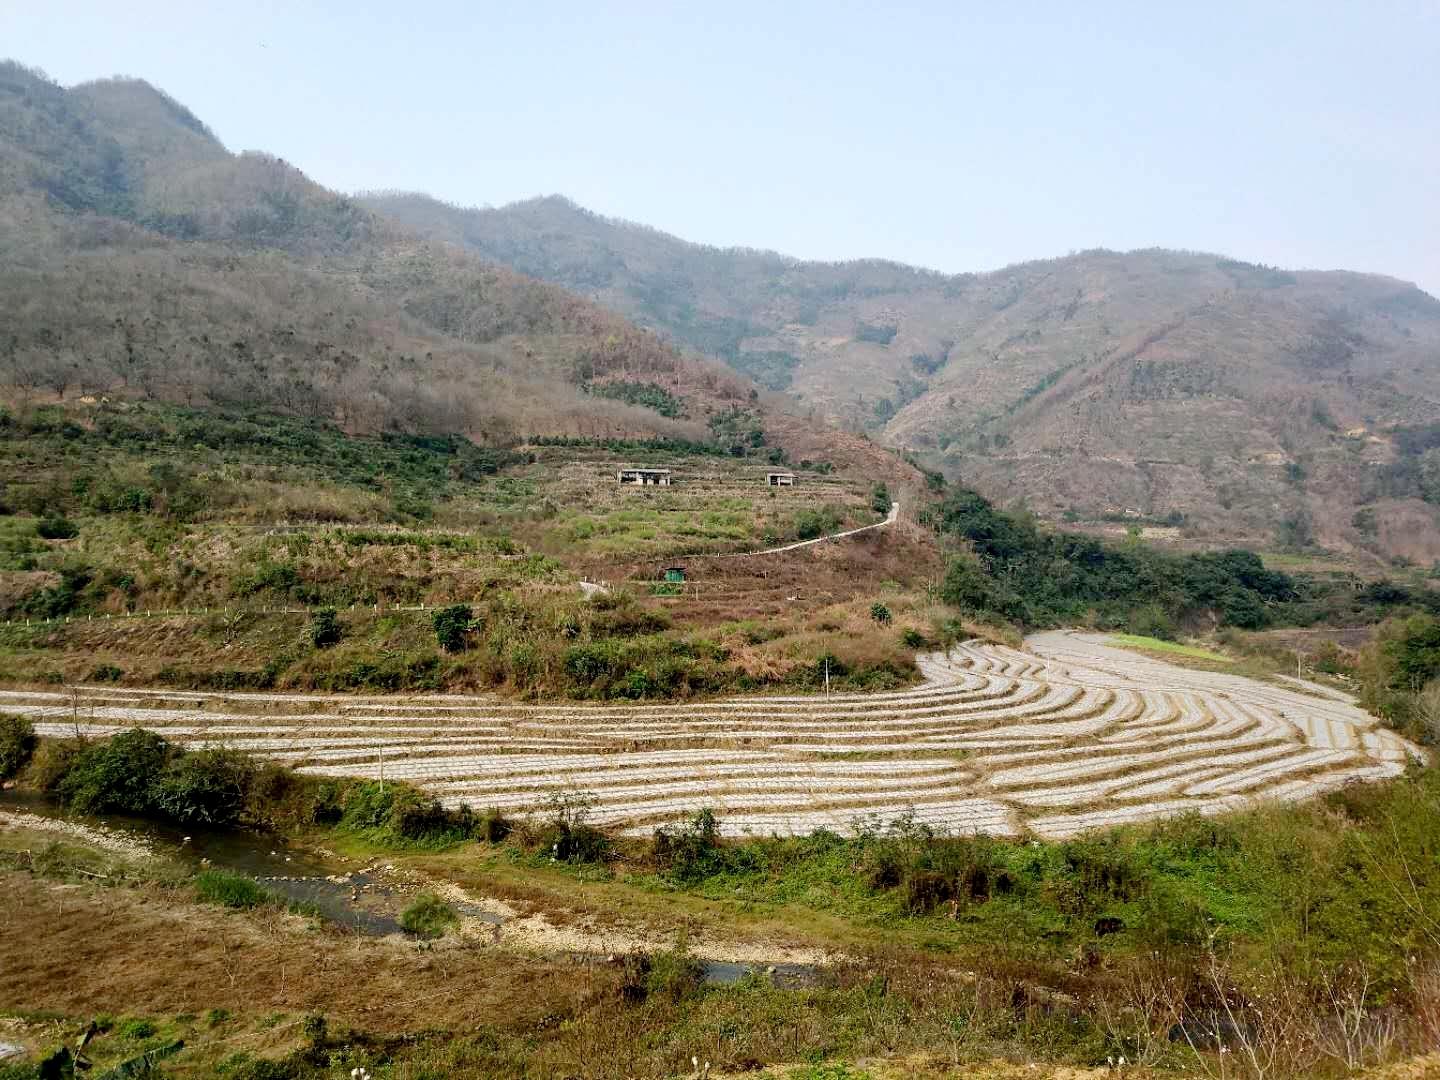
[[355, 898]]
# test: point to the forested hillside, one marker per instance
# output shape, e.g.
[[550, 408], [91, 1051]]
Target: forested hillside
[[1227, 400], [144, 260]]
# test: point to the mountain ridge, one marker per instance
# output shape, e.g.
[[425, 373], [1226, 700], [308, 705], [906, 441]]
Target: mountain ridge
[[565, 202], [1062, 382], [146, 259]]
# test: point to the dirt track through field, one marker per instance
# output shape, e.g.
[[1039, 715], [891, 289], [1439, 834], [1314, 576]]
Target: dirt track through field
[[1066, 735]]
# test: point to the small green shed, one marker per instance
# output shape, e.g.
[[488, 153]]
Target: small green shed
[[674, 573]]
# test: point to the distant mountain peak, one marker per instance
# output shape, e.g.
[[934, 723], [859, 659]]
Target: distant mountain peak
[[1186, 385], [123, 98]]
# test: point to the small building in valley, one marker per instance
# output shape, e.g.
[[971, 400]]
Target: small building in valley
[[644, 477], [674, 573], [780, 479]]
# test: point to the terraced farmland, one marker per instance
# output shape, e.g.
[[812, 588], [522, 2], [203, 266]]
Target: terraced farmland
[[1065, 736]]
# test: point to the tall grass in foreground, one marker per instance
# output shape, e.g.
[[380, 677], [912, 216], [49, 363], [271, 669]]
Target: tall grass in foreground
[[231, 890]]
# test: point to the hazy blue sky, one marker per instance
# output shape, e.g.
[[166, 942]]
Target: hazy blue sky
[[953, 135]]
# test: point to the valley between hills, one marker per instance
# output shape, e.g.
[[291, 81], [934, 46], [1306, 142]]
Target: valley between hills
[[517, 642]]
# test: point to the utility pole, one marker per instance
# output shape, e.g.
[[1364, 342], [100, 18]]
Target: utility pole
[[827, 676]]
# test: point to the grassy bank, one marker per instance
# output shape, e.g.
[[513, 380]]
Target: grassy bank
[[1317, 923], [152, 545]]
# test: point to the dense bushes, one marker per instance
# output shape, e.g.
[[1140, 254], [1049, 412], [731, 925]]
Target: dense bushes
[[57, 528], [567, 835], [1042, 578], [1399, 674], [121, 774], [1319, 889], [17, 745], [1412, 648], [647, 666], [880, 499], [415, 470], [691, 851], [204, 786], [452, 627], [325, 628], [645, 394], [138, 772], [813, 524]]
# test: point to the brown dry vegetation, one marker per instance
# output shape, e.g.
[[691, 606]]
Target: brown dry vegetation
[[1162, 382], [146, 261], [469, 1009], [512, 546]]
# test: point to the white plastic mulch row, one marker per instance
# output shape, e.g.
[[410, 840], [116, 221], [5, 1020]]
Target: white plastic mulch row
[[1060, 826], [1097, 735], [1144, 782], [798, 773], [669, 801]]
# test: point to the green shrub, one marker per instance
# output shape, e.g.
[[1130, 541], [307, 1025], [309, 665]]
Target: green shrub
[[280, 798], [398, 812], [628, 620], [205, 786], [569, 837], [966, 585], [586, 663], [452, 627], [692, 851], [17, 745], [880, 613], [645, 394], [324, 628], [492, 827], [117, 775], [273, 577], [135, 1029], [1037, 577], [813, 524], [429, 917], [913, 639], [51, 763], [106, 673], [926, 890], [674, 974], [1152, 621], [879, 333], [880, 499], [231, 890], [242, 1066], [57, 528], [829, 664]]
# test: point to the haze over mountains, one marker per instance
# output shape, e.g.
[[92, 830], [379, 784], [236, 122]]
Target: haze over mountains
[[142, 258], [1243, 401], [1238, 402]]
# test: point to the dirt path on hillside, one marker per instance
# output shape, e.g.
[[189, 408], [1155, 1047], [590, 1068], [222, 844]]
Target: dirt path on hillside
[[890, 519]]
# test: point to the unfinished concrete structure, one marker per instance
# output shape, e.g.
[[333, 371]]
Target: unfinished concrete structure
[[780, 479], [644, 477]]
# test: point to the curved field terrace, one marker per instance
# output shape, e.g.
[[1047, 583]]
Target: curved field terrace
[[1064, 736]]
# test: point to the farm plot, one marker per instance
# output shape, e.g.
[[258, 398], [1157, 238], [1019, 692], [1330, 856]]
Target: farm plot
[[1066, 735]]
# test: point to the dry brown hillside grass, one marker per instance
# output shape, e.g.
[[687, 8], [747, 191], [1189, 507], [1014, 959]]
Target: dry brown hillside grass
[[1163, 382]]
